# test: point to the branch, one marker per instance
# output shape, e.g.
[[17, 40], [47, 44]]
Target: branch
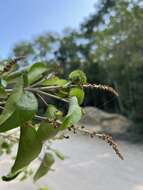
[[93, 86], [107, 138], [1, 107], [43, 100], [47, 94]]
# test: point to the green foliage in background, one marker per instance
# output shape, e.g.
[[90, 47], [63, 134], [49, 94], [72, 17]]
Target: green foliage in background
[[108, 48]]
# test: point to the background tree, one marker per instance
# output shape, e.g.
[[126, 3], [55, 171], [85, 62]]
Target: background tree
[[107, 47]]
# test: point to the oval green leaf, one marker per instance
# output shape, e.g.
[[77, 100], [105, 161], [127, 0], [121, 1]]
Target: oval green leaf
[[54, 81], [11, 102], [25, 109], [78, 92], [29, 148], [74, 114], [35, 71], [45, 166], [46, 130]]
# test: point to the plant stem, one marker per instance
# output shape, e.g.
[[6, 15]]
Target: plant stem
[[47, 94], [1, 107], [40, 117], [43, 100], [2, 103]]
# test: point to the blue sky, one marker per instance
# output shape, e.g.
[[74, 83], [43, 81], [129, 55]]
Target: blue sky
[[24, 19]]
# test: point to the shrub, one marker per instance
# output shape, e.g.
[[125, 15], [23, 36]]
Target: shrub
[[22, 93]]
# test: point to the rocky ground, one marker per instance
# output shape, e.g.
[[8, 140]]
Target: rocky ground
[[105, 122]]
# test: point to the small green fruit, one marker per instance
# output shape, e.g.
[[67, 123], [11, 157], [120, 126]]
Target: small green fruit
[[78, 77]]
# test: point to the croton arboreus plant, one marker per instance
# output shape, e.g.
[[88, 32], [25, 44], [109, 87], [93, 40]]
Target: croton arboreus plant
[[29, 115]]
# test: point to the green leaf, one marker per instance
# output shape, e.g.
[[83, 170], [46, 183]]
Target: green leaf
[[52, 112], [11, 102], [35, 71], [46, 130], [10, 176], [26, 106], [78, 77], [78, 92], [29, 148], [58, 154], [45, 166], [25, 109], [74, 114], [54, 81], [3, 83], [14, 76]]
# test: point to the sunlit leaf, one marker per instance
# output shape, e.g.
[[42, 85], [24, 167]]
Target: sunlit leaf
[[78, 92], [35, 71], [25, 109], [3, 83], [54, 81], [74, 114]]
